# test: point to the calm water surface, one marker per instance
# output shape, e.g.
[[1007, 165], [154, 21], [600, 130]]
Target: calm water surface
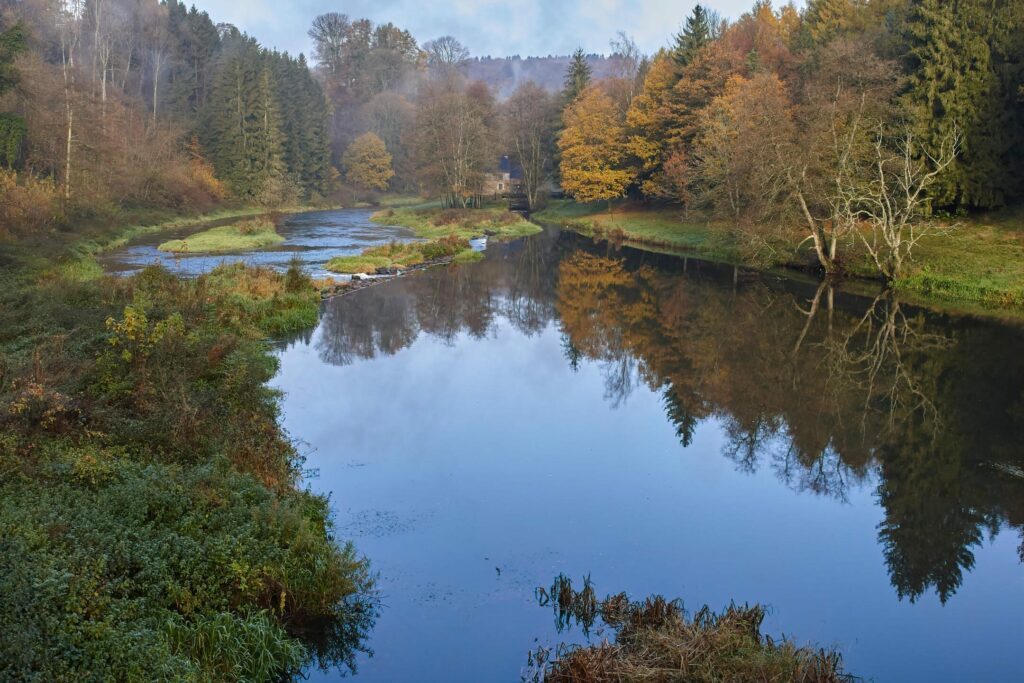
[[674, 427]]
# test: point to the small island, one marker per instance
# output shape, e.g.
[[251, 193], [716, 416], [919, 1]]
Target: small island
[[251, 234], [398, 256]]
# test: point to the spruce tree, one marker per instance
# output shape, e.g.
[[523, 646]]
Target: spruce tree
[[577, 78], [692, 39], [12, 128], [961, 76]]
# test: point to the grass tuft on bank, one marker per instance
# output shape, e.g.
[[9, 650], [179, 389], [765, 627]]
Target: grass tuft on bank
[[252, 234], [655, 640], [433, 222]]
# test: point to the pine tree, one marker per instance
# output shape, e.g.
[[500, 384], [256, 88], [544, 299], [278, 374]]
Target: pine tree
[[694, 36], [962, 77], [577, 78], [12, 128]]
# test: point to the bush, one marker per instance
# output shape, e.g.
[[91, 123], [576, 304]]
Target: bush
[[27, 204]]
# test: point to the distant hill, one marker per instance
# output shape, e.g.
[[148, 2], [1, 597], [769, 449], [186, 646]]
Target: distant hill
[[503, 74]]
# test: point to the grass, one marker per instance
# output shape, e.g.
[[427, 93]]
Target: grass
[[430, 221], [252, 234], [403, 255], [661, 226], [656, 641], [468, 256], [980, 263]]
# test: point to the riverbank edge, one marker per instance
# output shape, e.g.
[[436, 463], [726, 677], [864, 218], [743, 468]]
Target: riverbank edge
[[709, 241], [58, 269]]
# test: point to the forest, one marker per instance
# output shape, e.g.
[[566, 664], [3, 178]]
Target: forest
[[154, 523], [845, 136]]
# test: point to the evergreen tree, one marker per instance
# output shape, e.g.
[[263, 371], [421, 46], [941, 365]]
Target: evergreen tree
[[577, 78], [242, 129], [963, 74], [694, 36], [12, 128]]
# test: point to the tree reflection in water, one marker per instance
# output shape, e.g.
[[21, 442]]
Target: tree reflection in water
[[828, 389]]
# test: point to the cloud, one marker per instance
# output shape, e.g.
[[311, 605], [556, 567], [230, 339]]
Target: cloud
[[486, 27]]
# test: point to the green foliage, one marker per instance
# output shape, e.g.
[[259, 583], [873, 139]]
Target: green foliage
[[264, 124], [965, 70], [578, 77], [150, 528], [399, 255], [12, 42], [12, 132], [431, 222], [694, 36]]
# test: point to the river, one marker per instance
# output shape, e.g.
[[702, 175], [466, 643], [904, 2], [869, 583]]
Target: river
[[665, 425]]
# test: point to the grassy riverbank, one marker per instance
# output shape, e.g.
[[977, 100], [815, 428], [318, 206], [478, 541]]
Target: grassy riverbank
[[151, 527], [430, 221], [980, 262], [252, 234]]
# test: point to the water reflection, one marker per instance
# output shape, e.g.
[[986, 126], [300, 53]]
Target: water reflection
[[829, 390]]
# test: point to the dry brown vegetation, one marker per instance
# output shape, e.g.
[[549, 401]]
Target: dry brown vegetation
[[655, 640]]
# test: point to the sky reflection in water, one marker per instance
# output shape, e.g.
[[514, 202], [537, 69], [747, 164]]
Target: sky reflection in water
[[666, 427]]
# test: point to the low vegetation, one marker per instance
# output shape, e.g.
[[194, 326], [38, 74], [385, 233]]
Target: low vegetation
[[403, 255], [654, 640], [150, 523], [433, 222], [251, 234]]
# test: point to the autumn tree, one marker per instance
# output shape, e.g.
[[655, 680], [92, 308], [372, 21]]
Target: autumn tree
[[745, 132], [530, 117], [594, 150], [367, 163], [655, 128]]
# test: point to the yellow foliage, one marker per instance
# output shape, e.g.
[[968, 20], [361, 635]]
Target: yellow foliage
[[367, 163], [595, 151]]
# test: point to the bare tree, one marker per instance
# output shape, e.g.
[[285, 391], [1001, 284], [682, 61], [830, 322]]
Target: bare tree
[[329, 33], [893, 204], [530, 117], [445, 53], [70, 31]]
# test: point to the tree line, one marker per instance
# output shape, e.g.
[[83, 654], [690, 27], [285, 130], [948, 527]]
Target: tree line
[[116, 104], [856, 121], [847, 121]]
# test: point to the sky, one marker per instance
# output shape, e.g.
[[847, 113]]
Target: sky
[[487, 27]]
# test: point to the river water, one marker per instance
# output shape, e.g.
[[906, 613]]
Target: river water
[[315, 237], [661, 425]]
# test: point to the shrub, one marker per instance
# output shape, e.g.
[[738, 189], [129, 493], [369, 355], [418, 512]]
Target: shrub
[[27, 203]]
